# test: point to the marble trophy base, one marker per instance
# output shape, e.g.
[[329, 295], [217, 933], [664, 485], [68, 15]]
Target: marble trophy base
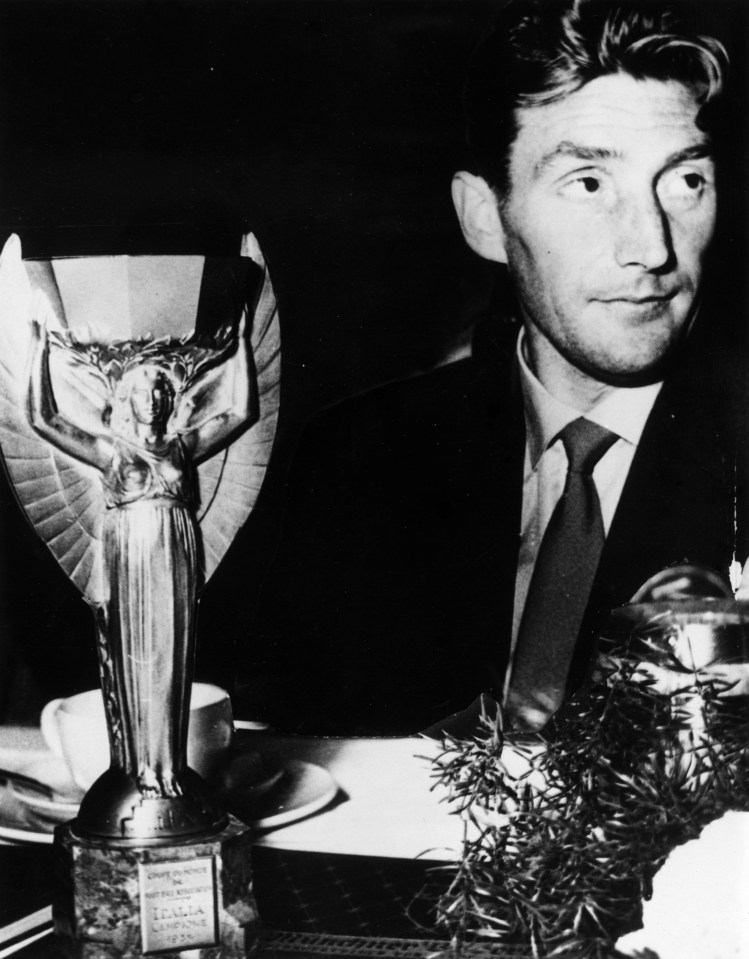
[[191, 898]]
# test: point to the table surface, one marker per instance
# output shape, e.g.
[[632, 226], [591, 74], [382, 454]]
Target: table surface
[[388, 803], [330, 884]]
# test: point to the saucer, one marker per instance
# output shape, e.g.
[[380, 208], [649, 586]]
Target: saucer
[[294, 792], [66, 797], [299, 790], [18, 823]]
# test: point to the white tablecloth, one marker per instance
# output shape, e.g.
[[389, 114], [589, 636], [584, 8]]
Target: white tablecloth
[[388, 805]]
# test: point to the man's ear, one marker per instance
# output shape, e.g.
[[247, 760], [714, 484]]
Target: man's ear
[[476, 205]]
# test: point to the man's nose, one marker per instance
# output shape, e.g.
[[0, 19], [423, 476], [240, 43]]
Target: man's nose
[[643, 237]]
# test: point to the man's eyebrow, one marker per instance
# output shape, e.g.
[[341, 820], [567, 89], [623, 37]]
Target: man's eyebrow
[[577, 151], [698, 151]]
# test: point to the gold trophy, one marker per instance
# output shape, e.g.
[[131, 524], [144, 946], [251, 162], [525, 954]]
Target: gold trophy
[[138, 406]]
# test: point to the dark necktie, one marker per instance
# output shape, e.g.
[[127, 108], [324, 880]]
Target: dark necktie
[[561, 582]]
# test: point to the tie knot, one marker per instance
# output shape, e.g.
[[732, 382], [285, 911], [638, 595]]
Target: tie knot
[[585, 442]]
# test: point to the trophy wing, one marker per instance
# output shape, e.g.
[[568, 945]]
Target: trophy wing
[[231, 480], [61, 497]]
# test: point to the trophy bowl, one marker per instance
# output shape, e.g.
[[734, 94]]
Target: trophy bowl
[[686, 635]]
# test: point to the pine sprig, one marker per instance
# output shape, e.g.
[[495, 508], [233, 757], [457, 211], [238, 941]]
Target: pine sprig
[[563, 870]]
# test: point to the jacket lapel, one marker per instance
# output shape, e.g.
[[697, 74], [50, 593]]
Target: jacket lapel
[[678, 503]]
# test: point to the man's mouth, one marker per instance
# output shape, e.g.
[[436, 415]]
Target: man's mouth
[[640, 300]]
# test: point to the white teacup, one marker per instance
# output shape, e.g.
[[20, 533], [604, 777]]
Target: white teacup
[[75, 729]]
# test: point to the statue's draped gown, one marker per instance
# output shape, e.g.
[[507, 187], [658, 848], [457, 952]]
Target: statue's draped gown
[[151, 579]]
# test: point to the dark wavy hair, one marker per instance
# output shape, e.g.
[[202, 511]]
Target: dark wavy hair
[[539, 51]]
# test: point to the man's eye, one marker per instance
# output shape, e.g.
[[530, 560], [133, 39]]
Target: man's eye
[[688, 182], [693, 180], [582, 186], [590, 184], [683, 184]]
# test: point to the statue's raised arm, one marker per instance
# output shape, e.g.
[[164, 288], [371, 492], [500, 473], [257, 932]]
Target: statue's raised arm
[[44, 415], [219, 401]]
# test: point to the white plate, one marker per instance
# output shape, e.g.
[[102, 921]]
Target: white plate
[[18, 823], [301, 790], [51, 772]]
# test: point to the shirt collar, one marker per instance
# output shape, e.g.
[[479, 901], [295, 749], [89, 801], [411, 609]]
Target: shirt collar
[[624, 411]]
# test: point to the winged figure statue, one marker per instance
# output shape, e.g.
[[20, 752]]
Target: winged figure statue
[[137, 443]]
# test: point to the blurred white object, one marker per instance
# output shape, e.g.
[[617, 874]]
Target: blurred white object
[[743, 591], [700, 903]]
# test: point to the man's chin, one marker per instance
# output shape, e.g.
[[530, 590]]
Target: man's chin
[[638, 371], [631, 380]]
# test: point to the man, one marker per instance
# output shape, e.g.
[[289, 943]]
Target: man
[[469, 531]]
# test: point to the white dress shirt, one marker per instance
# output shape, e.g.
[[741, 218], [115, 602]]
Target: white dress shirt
[[624, 411]]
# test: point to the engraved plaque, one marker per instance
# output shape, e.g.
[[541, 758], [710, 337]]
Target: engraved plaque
[[178, 907]]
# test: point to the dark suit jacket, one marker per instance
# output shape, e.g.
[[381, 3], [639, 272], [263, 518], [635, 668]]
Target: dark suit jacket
[[389, 604]]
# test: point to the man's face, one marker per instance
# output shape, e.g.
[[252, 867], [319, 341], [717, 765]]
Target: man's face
[[609, 215]]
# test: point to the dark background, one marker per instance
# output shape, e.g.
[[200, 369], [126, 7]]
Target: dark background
[[330, 128]]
